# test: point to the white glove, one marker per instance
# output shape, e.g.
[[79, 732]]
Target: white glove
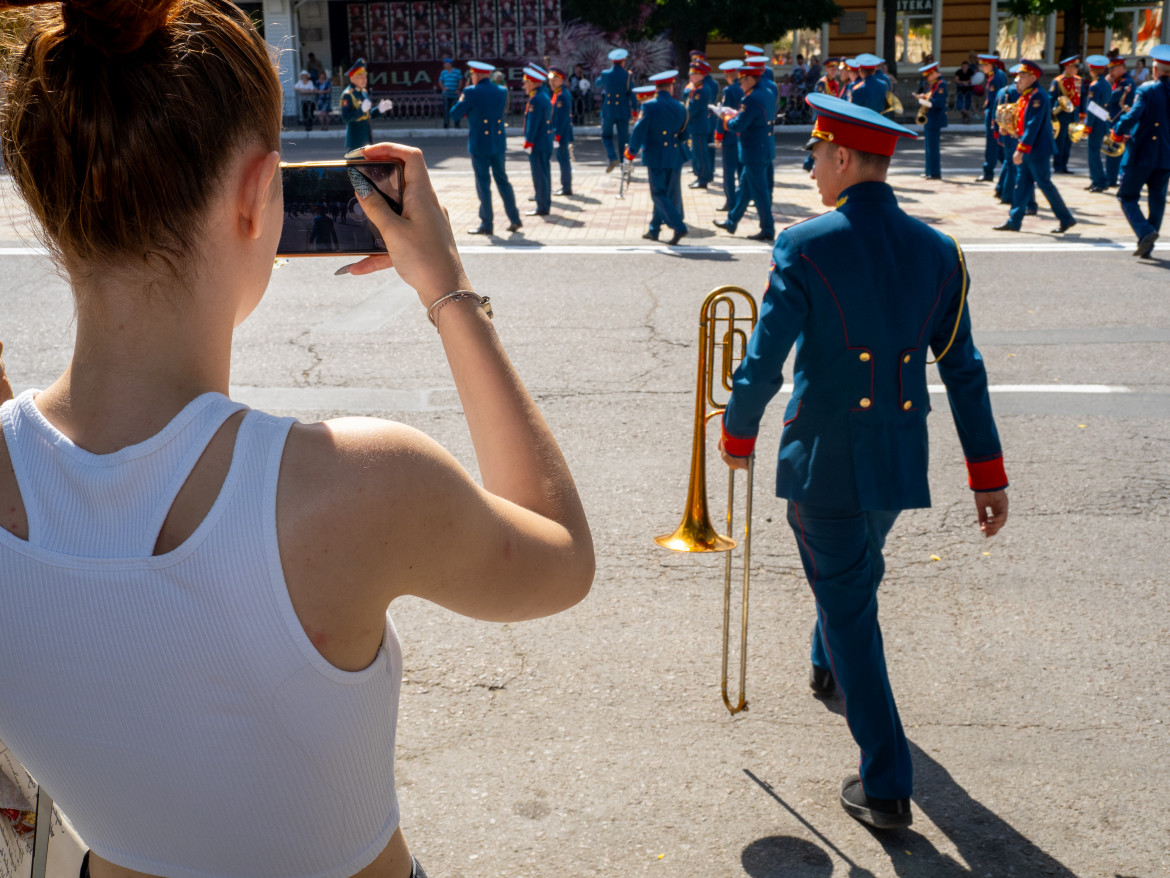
[[384, 105], [366, 104]]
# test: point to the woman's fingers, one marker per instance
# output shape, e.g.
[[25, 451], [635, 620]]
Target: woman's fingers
[[368, 265]]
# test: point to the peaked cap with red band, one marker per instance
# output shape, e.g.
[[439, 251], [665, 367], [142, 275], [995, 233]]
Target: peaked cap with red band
[[1116, 62], [847, 124], [1027, 66]]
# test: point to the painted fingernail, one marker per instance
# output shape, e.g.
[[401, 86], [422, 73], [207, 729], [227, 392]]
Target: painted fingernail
[[343, 270]]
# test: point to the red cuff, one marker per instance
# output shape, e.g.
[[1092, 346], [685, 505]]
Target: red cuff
[[527, 145], [1023, 147], [738, 446], [718, 136], [558, 138], [987, 475]]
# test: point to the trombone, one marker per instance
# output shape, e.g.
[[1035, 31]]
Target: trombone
[[723, 338]]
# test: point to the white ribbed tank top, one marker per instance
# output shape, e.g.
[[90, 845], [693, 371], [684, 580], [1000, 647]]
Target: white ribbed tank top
[[172, 705]]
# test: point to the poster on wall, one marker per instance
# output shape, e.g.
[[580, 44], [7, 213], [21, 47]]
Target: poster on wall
[[379, 19], [400, 18], [420, 25], [529, 13], [552, 40], [508, 47], [507, 13], [442, 17], [487, 44], [465, 44], [551, 16], [357, 19], [464, 14], [529, 44]]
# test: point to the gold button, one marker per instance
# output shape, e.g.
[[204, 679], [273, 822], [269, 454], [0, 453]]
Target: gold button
[[864, 356], [906, 359], [865, 402], [907, 405]]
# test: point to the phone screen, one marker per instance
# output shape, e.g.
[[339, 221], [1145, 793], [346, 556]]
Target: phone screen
[[323, 216]]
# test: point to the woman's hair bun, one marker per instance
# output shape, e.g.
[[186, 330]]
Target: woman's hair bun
[[116, 27]]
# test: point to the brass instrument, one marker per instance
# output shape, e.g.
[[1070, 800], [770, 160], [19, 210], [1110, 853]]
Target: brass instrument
[[1055, 129], [1111, 148], [894, 106], [1007, 117], [723, 338], [1076, 131]]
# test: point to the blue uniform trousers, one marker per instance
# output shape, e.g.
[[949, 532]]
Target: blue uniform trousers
[[841, 552], [1096, 164], [1112, 169], [1006, 187], [992, 151], [731, 170], [1133, 178], [666, 193], [711, 155], [486, 167], [1035, 172], [753, 186], [540, 162], [700, 158], [562, 150], [610, 125], [933, 144], [1063, 143]]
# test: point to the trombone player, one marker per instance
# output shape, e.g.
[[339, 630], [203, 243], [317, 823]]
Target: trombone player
[[932, 116], [1065, 92], [853, 452]]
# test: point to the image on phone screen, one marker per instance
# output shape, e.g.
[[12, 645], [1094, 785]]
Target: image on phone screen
[[322, 215]]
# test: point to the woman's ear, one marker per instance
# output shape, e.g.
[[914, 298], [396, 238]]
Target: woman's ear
[[256, 191]]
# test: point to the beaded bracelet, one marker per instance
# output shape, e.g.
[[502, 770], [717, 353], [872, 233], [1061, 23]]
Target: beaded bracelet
[[483, 302]]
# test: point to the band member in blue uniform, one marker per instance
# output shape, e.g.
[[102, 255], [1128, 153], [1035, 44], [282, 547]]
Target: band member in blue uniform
[[1145, 130], [1099, 92], [934, 99], [993, 80], [1121, 98], [616, 107], [1005, 189], [1066, 85], [357, 107], [829, 84], [713, 95], [698, 99], [850, 78], [656, 135], [870, 90], [538, 140], [484, 103], [729, 140], [853, 452], [1034, 152], [562, 126], [752, 123], [767, 85]]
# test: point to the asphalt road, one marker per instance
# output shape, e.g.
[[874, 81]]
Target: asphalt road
[[1031, 670]]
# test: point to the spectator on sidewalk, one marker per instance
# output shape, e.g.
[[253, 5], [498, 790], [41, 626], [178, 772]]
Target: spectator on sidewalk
[[963, 88], [306, 91], [451, 85], [324, 99]]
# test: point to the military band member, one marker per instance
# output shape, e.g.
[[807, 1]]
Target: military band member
[[1034, 152], [713, 95], [850, 78], [752, 123], [484, 104], [1121, 98], [1145, 130], [729, 140], [616, 107], [357, 107], [935, 94], [656, 135], [562, 124], [870, 90], [829, 84], [1005, 189], [698, 98], [1067, 84], [853, 452], [538, 140], [1097, 102], [994, 80], [767, 85]]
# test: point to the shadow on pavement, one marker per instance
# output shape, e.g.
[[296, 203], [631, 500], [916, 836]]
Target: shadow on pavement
[[985, 842]]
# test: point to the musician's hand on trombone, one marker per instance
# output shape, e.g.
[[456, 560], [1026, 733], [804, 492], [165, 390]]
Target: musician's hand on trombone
[[992, 507], [731, 460]]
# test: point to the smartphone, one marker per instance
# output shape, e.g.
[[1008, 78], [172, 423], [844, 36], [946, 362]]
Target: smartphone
[[322, 215]]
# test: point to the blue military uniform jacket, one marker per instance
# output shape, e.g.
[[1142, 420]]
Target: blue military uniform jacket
[[618, 101], [698, 99], [562, 116], [1147, 124], [656, 134], [869, 92], [1121, 96], [753, 124], [855, 432], [1099, 91], [733, 98], [483, 104], [998, 80], [357, 121], [538, 122], [1037, 123], [936, 116]]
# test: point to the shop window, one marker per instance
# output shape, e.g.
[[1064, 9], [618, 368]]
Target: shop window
[[914, 40], [1022, 37], [797, 42], [1141, 32]]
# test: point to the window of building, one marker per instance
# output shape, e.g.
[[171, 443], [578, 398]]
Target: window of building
[[1142, 30], [914, 40], [797, 42], [1022, 37]]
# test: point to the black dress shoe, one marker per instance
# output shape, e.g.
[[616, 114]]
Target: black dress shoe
[[723, 208], [821, 682], [984, 179], [532, 198], [1063, 227], [563, 192], [515, 227], [872, 811], [480, 231], [650, 236], [1031, 211], [536, 213], [1146, 244], [1006, 227], [611, 166], [761, 236], [725, 225], [696, 185], [677, 236]]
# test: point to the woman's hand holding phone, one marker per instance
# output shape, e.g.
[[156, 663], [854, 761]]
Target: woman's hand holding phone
[[419, 243]]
